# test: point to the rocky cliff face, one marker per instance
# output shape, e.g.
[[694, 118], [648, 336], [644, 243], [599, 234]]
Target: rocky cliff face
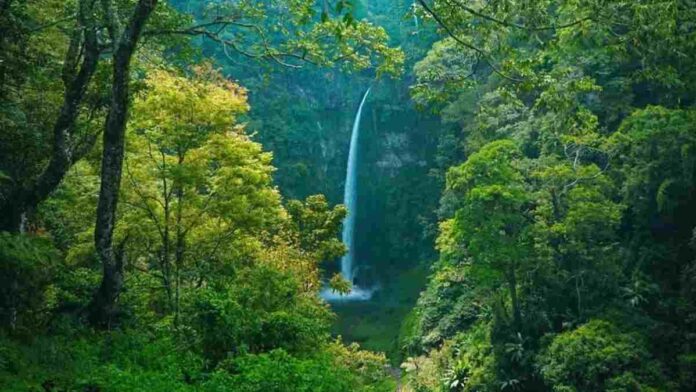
[[397, 153]]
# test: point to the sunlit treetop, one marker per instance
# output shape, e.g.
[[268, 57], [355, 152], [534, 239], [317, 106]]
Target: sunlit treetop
[[185, 110]]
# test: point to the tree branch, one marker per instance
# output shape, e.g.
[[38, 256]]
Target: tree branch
[[76, 86], [113, 22], [516, 25], [268, 52], [484, 55]]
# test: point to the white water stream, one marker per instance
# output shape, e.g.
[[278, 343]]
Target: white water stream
[[350, 200]]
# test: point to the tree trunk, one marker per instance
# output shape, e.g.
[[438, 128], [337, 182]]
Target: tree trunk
[[180, 243], [103, 307]]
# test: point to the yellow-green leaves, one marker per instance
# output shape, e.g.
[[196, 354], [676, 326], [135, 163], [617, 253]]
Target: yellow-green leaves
[[313, 226], [197, 192], [352, 46], [339, 284], [180, 112]]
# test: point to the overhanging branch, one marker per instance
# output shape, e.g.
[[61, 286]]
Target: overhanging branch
[[485, 56]]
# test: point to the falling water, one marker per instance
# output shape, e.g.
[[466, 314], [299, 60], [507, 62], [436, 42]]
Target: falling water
[[350, 196], [350, 200]]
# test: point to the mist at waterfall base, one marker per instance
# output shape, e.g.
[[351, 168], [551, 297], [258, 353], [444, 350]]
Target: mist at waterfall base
[[350, 200]]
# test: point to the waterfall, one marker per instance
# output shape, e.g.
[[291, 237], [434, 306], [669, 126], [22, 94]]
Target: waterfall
[[350, 195], [350, 200]]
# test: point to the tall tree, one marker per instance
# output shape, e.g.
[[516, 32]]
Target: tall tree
[[123, 42], [193, 177], [491, 223]]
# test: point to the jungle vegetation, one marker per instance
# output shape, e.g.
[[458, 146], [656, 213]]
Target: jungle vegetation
[[566, 223], [170, 174]]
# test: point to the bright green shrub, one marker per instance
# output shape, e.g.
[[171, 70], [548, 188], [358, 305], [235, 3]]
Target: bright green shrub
[[261, 311]]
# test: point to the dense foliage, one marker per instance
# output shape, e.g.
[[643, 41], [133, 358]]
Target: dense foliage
[[566, 245], [170, 173], [145, 245]]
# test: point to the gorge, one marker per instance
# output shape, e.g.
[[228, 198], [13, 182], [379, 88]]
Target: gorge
[[348, 195]]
